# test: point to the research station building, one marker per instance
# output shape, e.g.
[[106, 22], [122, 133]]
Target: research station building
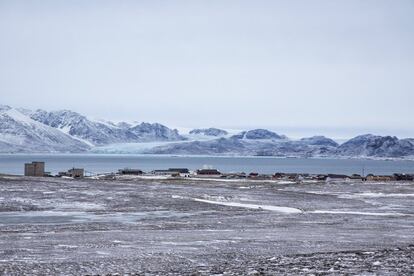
[[35, 168]]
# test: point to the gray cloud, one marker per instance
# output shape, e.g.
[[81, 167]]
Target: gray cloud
[[329, 66]]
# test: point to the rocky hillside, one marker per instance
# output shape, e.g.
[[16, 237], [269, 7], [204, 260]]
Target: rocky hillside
[[100, 133], [209, 132], [20, 133], [39, 131], [267, 143], [377, 146]]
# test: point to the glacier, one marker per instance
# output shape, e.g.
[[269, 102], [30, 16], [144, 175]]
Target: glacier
[[64, 131]]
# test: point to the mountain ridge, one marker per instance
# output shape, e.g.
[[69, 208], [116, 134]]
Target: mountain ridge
[[20, 133], [99, 133], [39, 131]]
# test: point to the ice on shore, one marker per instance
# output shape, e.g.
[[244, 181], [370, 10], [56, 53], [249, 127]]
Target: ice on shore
[[280, 209]]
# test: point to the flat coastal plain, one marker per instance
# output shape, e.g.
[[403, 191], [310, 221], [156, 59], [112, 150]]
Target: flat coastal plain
[[52, 226]]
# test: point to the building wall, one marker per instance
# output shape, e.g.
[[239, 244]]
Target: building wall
[[76, 173], [34, 169], [29, 169], [39, 169]]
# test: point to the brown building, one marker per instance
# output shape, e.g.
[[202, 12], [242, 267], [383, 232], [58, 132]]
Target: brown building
[[372, 177], [34, 169]]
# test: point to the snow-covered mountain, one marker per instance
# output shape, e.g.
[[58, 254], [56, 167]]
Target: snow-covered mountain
[[262, 143], [103, 133], [259, 134], [254, 142], [20, 133], [23, 130], [377, 146], [146, 132], [27, 131], [81, 127], [319, 141], [209, 132]]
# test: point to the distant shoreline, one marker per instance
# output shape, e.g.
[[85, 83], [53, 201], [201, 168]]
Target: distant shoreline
[[106, 163], [411, 158]]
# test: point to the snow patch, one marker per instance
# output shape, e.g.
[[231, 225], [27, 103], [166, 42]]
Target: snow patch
[[280, 209], [357, 213], [383, 195]]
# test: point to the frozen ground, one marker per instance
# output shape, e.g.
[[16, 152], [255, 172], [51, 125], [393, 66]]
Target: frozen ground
[[60, 226]]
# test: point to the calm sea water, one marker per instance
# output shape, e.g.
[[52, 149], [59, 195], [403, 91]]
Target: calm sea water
[[100, 163]]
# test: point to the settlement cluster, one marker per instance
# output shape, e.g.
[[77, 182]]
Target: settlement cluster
[[37, 169]]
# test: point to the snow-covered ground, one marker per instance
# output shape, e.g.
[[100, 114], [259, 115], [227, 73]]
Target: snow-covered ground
[[160, 226]]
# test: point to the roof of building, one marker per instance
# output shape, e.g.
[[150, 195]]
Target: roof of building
[[337, 176], [208, 171], [180, 170]]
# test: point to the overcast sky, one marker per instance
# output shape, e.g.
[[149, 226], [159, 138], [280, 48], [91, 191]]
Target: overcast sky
[[298, 67]]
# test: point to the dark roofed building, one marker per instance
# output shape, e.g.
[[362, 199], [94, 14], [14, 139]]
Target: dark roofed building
[[253, 174], [127, 171], [162, 172], [341, 176], [180, 170], [208, 172], [76, 173], [403, 177]]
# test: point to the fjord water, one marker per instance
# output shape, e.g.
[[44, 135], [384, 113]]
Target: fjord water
[[102, 163]]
